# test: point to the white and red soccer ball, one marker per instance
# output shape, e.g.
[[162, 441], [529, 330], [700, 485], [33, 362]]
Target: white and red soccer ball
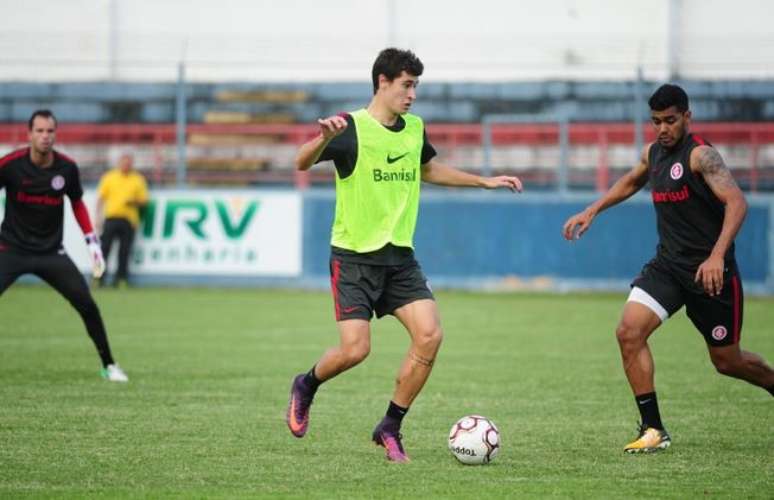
[[474, 440]]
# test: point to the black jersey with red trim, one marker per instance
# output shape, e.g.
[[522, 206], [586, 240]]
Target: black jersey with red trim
[[34, 200], [689, 215]]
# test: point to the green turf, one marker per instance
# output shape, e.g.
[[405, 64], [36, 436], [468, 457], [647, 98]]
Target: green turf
[[203, 415]]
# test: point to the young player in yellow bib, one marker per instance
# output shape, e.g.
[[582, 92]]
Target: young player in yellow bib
[[381, 155]]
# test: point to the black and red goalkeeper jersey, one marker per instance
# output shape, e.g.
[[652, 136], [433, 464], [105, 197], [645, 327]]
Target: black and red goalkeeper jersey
[[34, 200], [689, 215]]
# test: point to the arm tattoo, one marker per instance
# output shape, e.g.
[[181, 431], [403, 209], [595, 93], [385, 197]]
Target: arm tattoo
[[714, 170], [421, 359]]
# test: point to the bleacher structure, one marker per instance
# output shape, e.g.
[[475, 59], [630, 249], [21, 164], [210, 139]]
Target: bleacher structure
[[247, 134]]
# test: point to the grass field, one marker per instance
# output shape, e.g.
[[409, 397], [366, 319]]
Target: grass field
[[203, 415]]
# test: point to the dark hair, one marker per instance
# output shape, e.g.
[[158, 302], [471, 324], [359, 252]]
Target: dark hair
[[45, 113], [669, 95], [391, 62]]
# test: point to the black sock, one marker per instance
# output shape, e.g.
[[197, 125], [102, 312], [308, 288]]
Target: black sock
[[771, 390], [395, 414], [311, 380], [648, 406], [96, 330]]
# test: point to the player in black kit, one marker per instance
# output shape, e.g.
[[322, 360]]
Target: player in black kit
[[699, 210], [36, 180]]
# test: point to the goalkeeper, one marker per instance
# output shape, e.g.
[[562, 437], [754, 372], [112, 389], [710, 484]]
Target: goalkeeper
[[36, 180]]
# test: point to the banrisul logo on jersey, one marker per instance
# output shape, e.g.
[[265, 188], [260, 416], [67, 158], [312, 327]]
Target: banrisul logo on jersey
[[399, 176], [220, 233]]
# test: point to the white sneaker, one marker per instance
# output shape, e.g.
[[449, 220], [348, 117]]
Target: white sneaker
[[114, 373]]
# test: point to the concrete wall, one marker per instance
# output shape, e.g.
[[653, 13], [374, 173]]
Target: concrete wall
[[464, 239], [503, 241]]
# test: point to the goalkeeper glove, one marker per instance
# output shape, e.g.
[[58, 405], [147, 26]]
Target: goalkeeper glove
[[95, 251]]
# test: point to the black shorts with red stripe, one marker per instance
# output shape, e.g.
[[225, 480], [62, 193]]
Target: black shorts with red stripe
[[718, 318], [360, 290]]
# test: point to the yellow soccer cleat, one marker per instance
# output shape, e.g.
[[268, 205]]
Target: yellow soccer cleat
[[649, 440]]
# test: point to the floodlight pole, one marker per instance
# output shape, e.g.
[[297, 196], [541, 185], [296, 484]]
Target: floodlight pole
[[674, 22], [113, 39], [639, 138], [392, 21], [180, 173], [563, 174]]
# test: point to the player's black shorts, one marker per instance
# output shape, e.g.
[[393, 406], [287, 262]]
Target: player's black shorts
[[718, 318], [56, 269], [360, 290]]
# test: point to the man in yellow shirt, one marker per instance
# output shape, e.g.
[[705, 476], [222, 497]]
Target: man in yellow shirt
[[122, 192]]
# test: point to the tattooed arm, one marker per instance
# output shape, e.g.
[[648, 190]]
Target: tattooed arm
[[706, 161]]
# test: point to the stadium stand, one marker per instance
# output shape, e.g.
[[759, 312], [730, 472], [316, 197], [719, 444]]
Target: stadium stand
[[127, 102], [246, 134]]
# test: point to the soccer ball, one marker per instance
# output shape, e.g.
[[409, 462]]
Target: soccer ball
[[474, 440]]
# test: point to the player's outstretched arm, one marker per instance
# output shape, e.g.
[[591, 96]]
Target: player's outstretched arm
[[309, 152], [436, 172], [706, 161], [620, 191]]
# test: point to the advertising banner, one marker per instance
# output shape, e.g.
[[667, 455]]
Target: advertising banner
[[207, 232]]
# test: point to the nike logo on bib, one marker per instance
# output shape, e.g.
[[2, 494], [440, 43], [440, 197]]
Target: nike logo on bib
[[393, 160]]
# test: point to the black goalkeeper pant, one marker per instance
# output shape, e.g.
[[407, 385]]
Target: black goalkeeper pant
[[60, 272], [121, 230]]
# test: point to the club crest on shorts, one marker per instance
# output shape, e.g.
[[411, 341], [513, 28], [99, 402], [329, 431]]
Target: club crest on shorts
[[676, 171], [719, 332], [57, 182]]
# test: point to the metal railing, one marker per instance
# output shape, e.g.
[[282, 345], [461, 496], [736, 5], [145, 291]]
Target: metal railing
[[548, 153]]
